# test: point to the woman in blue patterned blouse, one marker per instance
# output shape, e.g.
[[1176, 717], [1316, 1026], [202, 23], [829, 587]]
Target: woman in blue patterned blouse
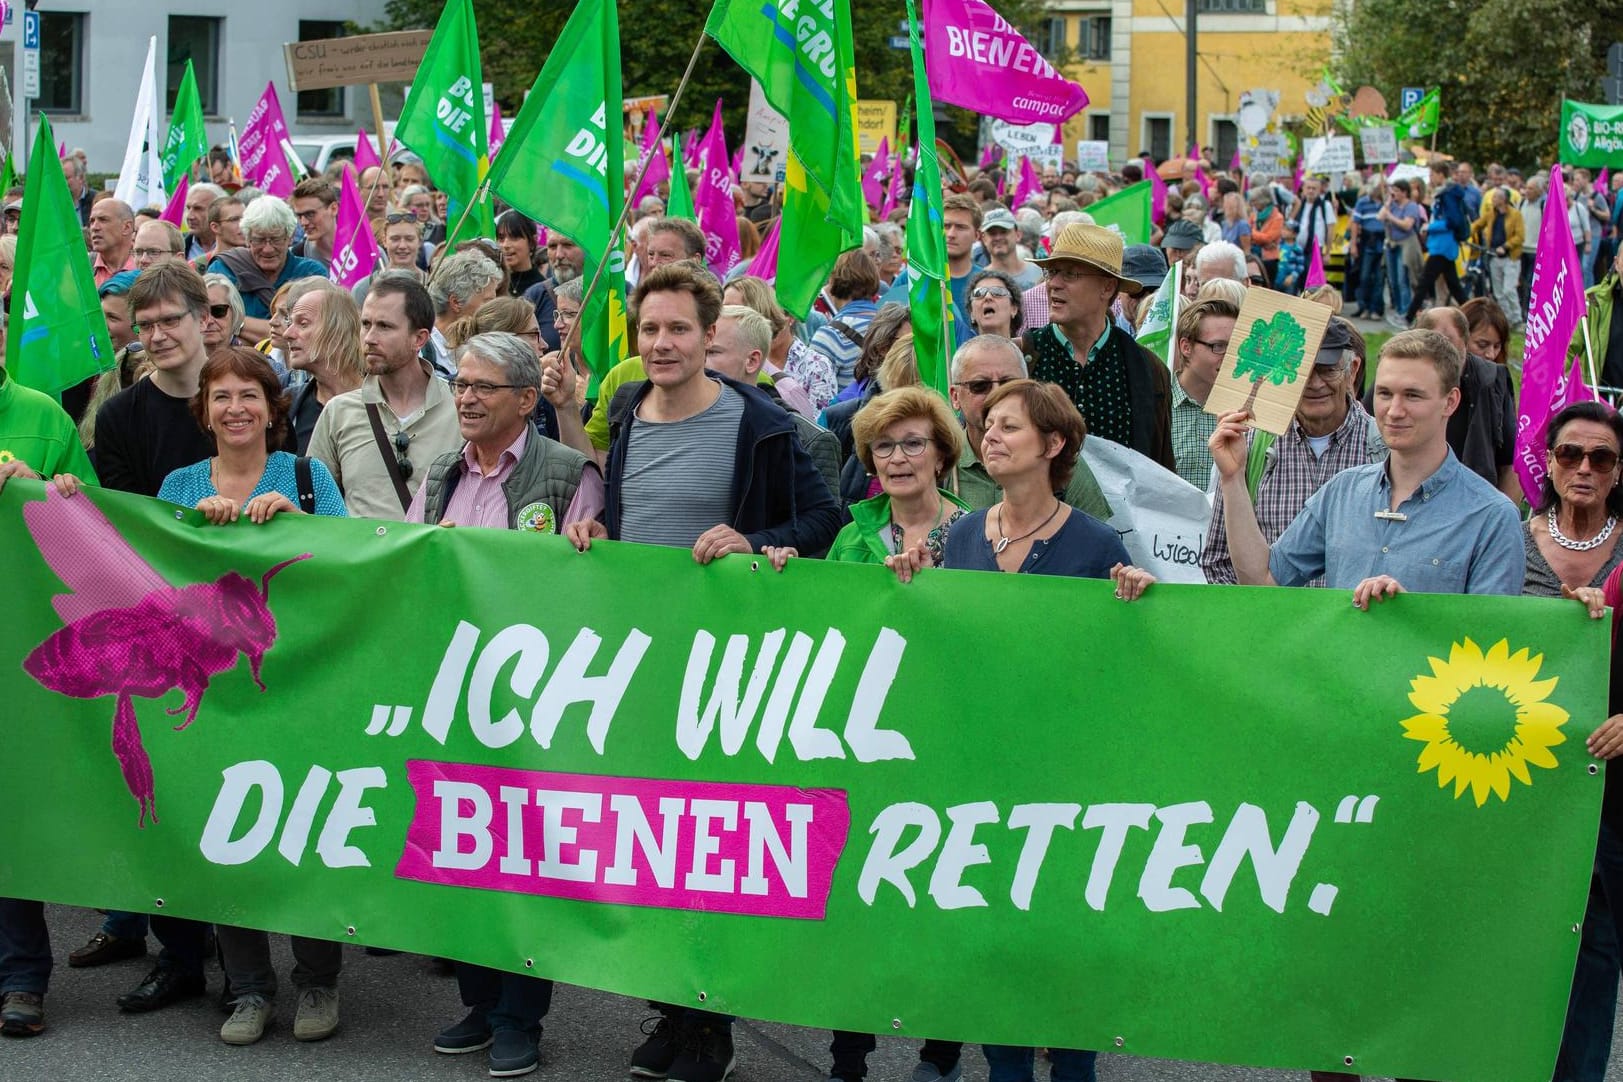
[[242, 407]]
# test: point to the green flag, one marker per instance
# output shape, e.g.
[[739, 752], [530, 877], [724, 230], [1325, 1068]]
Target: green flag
[[1127, 212], [680, 204], [803, 61], [58, 335], [187, 140], [444, 120], [1420, 118], [1160, 329], [927, 297], [563, 164], [8, 176]]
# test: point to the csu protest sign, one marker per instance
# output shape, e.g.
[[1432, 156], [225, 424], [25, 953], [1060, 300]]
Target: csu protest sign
[[1591, 135], [481, 744]]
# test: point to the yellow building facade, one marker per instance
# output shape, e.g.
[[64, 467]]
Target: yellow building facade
[[1130, 57]]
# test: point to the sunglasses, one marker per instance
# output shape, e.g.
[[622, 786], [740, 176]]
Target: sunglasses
[[1569, 455], [402, 443], [219, 311], [985, 386], [980, 293], [398, 218]]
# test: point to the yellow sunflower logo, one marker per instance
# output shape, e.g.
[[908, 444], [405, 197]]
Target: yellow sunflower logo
[[1484, 718]]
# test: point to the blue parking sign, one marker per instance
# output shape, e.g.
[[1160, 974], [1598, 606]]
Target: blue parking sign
[[30, 30], [1410, 97]]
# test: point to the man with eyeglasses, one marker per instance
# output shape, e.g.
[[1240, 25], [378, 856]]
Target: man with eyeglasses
[[1203, 340], [1330, 432], [377, 440], [1122, 390], [156, 241], [112, 238], [261, 268], [979, 367], [315, 206]]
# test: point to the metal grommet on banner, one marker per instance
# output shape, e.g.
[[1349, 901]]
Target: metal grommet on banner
[[158, 903], [1577, 928], [1593, 769], [382, 530], [179, 515], [755, 565], [895, 1023], [529, 963], [350, 930], [1120, 1041], [703, 997], [1348, 1060]]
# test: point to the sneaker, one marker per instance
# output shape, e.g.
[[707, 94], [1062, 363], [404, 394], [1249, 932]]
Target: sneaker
[[472, 1034], [1397, 322], [705, 1055], [929, 1072], [104, 948], [317, 1016], [513, 1052], [653, 1058], [250, 1017], [22, 1014]]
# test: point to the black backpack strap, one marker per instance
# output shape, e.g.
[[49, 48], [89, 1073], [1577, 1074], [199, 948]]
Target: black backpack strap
[[846, 331], [304, 479]]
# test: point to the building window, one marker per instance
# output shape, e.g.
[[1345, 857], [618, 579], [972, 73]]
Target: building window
[[1158, 137], [1225, 143], [321, 103], [61, 62], [1095, 38], [1233, 7], [1054, 41], [195, 38], [1099, 127]]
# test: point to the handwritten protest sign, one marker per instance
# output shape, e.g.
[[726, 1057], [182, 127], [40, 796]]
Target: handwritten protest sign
[[1093, 156], [1269, 359]]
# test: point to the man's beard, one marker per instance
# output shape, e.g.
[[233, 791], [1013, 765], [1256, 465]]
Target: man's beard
[[562, 273]]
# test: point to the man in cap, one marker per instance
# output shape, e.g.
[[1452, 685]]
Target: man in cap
[[1182, 239], [1123, 390], [1331, 432], [1000, 239]]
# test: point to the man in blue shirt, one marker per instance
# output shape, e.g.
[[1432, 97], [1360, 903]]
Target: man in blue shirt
[[1419, 521]]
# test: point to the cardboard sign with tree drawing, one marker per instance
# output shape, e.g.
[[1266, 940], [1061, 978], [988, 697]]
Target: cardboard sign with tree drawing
[[1269, 359]]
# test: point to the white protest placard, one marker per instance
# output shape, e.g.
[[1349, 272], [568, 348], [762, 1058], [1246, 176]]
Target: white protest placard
[[1092, 156], [1272, 154], [766, 141], [1021, 139], [1409, 171], [1380, 144], [1051, 156], [1162, 519], [1330, 156]]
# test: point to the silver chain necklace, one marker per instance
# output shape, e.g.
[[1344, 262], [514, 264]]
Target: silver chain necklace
[[1579, 546]]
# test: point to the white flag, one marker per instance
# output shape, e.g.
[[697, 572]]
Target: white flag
[[140, 181], [1162, 519]]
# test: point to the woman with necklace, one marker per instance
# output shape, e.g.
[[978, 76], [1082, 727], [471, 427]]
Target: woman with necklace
[[1572, 538]]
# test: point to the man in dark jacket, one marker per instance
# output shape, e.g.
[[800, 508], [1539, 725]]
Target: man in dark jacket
[[706, 463], [1123, 391]]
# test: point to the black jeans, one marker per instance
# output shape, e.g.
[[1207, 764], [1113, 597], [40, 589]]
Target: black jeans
[[1436, 265]]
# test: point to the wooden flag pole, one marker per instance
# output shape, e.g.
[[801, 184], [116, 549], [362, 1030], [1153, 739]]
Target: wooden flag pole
[[377, 123]]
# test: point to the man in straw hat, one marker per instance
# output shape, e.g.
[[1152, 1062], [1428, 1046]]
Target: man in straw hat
[[1123, 391]]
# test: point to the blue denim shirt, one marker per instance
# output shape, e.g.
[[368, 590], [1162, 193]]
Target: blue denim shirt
[[1459, 535]]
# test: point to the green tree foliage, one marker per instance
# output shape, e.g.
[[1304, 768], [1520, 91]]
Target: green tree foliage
[[1503, 65], [658, 36], [1272, 351]]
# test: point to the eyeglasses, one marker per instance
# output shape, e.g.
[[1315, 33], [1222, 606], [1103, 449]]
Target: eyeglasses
[[151, 253], [1070, 274], [257, 241], [985, 386], [165, 323], [1569, 455], [219, 311], [1217, 348], [402, 443], [912, 447], [480, 388], [562, 316]]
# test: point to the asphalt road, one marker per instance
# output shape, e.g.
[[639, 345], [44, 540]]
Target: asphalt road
[[391, 1009]]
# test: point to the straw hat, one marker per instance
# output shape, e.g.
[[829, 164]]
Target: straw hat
[[1095, 246]]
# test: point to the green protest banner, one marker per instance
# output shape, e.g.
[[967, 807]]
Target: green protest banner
[[1591, 135], [1219, 824]]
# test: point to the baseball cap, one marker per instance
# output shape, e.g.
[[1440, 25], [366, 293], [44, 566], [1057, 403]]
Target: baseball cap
[[1336, 341], [998, 218]]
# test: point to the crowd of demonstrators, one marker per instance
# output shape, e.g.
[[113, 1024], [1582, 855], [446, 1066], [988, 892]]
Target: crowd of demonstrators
[[451, 387]]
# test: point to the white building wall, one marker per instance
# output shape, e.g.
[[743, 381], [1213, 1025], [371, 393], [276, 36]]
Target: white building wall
[[251, 39]]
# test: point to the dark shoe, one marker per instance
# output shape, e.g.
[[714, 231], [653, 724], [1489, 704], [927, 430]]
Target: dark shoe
[[22, 1014], [472, 1034], [653, 1058], [160, 988], [104, 948], [512, 1053], [706, 1055]]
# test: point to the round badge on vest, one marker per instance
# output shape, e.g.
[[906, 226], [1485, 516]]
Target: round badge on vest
[[537, 518]]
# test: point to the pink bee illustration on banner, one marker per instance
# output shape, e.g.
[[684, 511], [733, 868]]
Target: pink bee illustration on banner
[[133, 633]]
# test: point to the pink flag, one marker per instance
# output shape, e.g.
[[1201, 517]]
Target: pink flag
[[1201, 178], [893, 192], [1553, 313], [498, 130], [1603, 182], [1234, 163], [1158, 191], [975, 59], [1315, 268], [713, 199], [355, 249], [263, 164], [738, 161], [765, 263], [366, 152], [1296, 177], [62, 152], [653, 168], [990, 154], [1030, 183], [175, 211], [690, 149], [872, 190]]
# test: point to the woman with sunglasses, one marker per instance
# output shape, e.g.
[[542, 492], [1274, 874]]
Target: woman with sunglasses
[[1572, 538], [994, 303]]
